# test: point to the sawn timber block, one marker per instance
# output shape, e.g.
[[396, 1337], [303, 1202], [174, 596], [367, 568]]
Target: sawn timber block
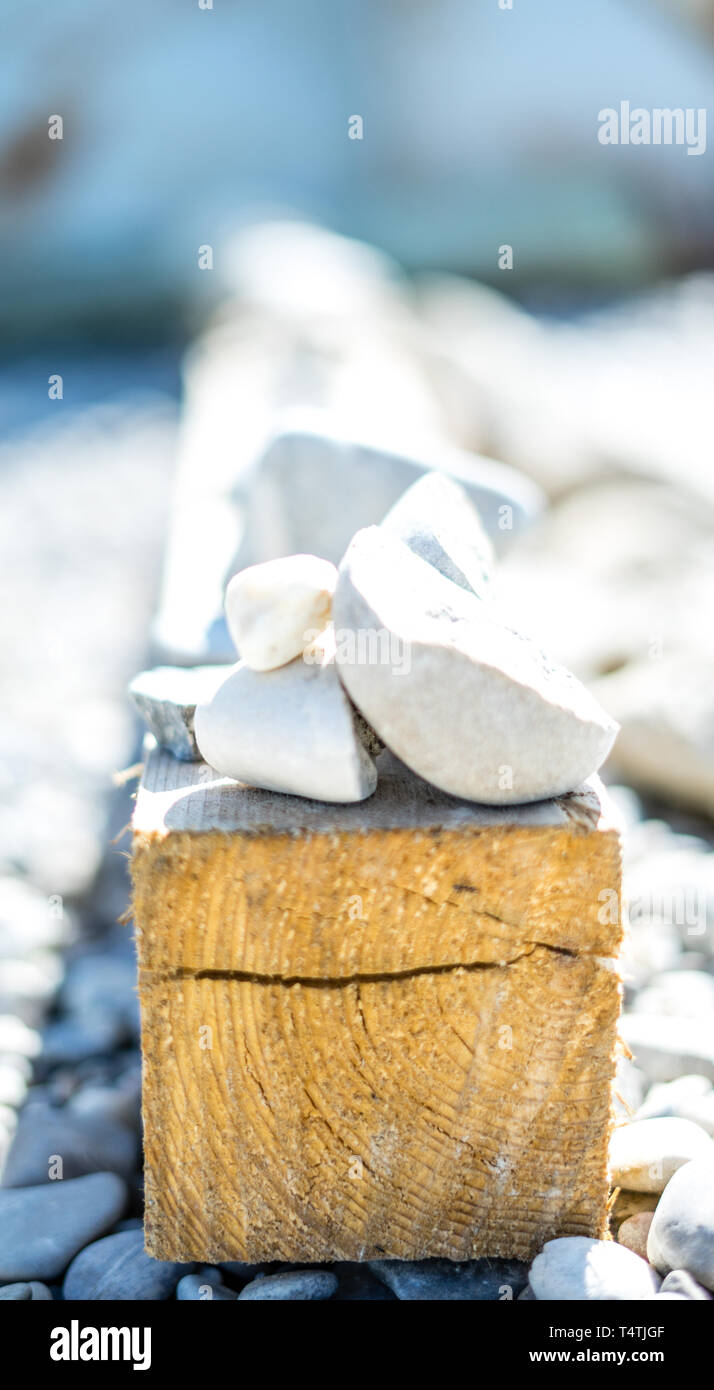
[[380, 1029]]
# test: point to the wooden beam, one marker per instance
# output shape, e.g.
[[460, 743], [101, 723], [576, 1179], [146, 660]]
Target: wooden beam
[[375, 1029]]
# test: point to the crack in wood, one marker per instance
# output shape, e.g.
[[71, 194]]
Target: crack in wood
[[188, 972]]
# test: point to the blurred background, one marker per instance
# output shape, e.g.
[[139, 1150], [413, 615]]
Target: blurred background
[[396, 219]]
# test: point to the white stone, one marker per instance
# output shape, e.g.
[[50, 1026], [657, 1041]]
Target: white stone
[[645, 1154], [468, 704], [166, 698], [289, 730], [314, 487], [275, 610], [436, 519], [682, 1232], [679, 1284], [575, 1268]]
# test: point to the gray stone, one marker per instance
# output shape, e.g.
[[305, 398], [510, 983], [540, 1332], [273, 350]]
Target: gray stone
[[436, 519], [117, 1268], [294, 1284], [70, 1040], [289, 730], [41, 1228], [682, 1232], [45, 1135], [680, 1282], [101, 980], [120, 1102], [468, 704], [576, 1269], [166, 699], [442, 1280], [356, 1283], [237, 1270], [25, 1293], [313, 490], [198, 1288]]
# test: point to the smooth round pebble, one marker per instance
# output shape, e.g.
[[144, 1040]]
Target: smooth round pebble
[[41, 1228], [646, 1153], [117, 1268], [25, 1293], [575, 1269], [47, 1137], [294, 1284], [236, 1269], [120, 1102], [633, 1233], [680, 1282], [475, 1280], [72, 1039], [357, 1284], [682, 1232], [198, 1288]]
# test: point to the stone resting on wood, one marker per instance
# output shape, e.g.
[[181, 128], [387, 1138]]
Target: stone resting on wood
[[379, 993]]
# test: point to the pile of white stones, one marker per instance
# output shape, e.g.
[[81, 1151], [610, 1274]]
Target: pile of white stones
[[402, 646]]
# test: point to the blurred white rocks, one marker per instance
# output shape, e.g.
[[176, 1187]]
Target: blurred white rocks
[[575, 1268], [674, 883], [276, 609], [468, 704], [666, 710], [629, 615], [682, 1233], [289, 730], [314, 488], [437, 521], [646, 1153], [166, 698], [685, 993], [688, 1098], [666, 1047]]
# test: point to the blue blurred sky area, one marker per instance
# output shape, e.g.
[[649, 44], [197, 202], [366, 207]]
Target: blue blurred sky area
[[479, 128]]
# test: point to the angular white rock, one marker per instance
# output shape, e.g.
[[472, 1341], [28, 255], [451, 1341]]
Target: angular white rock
[[289, 730], [437, 520], [166, 698], [465, 702], [575, 1268], [645, 1154], [275, 610], [313, 489]]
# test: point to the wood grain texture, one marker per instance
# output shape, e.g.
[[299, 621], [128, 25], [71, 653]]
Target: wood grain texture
[[386, 1033]]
